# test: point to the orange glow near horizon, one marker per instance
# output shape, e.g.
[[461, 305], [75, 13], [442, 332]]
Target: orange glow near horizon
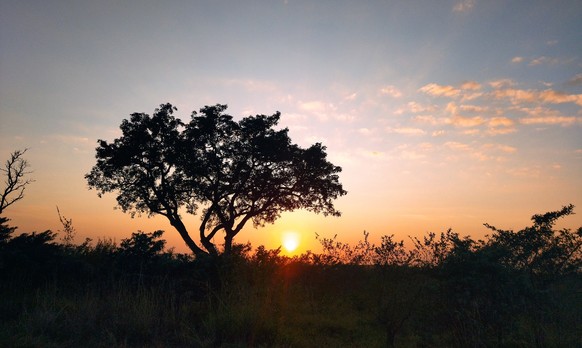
[[290, 241]]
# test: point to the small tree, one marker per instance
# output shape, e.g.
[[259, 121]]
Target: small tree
[[68, 229], [230, 172], [15, 181]]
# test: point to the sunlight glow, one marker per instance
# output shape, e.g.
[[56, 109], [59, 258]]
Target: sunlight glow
[[290, 240]]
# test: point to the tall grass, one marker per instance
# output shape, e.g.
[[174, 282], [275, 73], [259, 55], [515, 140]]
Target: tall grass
[[514, 290]]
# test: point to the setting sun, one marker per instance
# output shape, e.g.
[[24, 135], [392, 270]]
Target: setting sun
[[290, 240]]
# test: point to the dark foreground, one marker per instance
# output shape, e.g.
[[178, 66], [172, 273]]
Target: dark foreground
[[516, 289]]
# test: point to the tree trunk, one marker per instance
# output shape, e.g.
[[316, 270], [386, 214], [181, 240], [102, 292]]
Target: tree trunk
[[179, 226], [208, 245], [228, 243]]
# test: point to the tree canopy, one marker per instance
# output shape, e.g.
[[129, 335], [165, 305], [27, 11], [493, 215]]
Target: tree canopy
[[230, 172]]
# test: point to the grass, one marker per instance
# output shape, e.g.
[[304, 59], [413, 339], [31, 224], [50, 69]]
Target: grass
[[517, 289], [345, 307]]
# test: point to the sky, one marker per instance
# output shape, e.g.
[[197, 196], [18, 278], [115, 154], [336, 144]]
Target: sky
[[442, 114]]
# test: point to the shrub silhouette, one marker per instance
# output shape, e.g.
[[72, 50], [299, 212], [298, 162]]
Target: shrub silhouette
[[513, 288]]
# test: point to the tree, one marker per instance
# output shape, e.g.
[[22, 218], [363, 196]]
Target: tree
[[15, 181], [540, 249], [231, 172]]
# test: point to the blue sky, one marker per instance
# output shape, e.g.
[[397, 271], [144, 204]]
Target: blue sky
[[442, 114]]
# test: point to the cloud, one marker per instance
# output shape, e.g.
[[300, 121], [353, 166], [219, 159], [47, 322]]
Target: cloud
[[77, 143], [500, 125], [471, 85], [472, 131], [467, 122], [517, 59], [351, 96], [461, 121], [440, 90], [415, 108], [575, 81], [252, 85], [554, 97], [325, 111], [454, 145], [312, 106], [464, 6], [550, 120], [531, 172], [417, 152], [500, 148], [430, 119], [517, 96], [499, 108], [391, 91], [407, 131], [474, 108], [501, 83], [365, 131], [501, 122], [485, 152], [467, 90], [544, 60]]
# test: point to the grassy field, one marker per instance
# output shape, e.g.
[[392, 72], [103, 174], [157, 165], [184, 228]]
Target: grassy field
[[445, 291]]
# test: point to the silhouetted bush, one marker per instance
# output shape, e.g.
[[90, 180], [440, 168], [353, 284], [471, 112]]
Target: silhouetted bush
[[511, 289]]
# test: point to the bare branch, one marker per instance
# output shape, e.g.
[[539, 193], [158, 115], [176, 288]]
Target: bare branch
[[15, 181]]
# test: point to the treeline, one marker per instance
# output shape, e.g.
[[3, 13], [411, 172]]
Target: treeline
[[514, 288]]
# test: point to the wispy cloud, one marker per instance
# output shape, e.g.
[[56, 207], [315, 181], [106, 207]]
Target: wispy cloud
[[415, 108], [251, 85], [481, 153], [518, 96], [530, 172], [471, 85], [575, 81], [501, 83], [500, 125], [541, 60], [517, 59], [324, 111], [462, 121], [431, 120], [501, 121], [464, 6], [544, 60], [391, 91], [550, 120], [78, 144], [407, 131], [440, 90]]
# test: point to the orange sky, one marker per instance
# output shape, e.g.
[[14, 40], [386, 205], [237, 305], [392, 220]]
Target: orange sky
[[441, 114]]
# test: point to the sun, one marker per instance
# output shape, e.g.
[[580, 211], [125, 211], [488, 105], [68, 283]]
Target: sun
[[290, 240]]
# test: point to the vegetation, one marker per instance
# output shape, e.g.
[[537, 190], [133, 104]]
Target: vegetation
[[512, 289], [15, 174], [233, 172]]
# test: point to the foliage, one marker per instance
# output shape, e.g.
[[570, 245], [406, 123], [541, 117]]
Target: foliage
[[539, 249], [230, 172], [5, 230], [143, 245], [68, 229], [444, 291]]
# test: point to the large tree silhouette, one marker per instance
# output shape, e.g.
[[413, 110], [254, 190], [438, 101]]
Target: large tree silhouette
[[230, 172]]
